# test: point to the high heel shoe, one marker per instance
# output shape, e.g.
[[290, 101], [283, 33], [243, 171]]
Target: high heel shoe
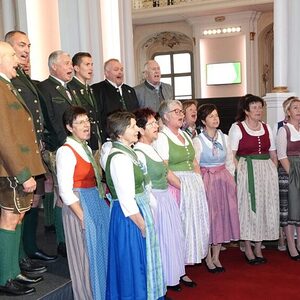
[[213, 270], [260, 259], [252, 261], [295, 258]]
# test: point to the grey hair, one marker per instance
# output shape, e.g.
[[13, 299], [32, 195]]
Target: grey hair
[[146, 67], [165, 107], [117, 124], [108, 62], [53, 57]]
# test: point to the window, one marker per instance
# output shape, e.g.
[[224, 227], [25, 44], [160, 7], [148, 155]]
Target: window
[[176, 69]]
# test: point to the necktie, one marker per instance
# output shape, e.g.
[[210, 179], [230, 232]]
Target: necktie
[[119, 91], [69, 94], [89, 93]]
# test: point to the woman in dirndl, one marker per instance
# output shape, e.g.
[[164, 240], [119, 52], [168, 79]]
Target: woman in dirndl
[[165, 209], [216, 163], [253, 147], [85, 212], [288, 151], [189, 125], [134, 263], [176, 149]]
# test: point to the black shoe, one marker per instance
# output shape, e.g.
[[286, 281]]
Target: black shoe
[[28, 280], [61, 249], [49, 229], [295, 258], [43, 256], [220, 269], [29, 267], [190, 284], [15, 288], [261, 259], [176, 288], [252, 261], [213, 270]]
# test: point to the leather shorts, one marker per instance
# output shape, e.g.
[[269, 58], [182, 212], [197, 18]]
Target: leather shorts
[[12, 196]]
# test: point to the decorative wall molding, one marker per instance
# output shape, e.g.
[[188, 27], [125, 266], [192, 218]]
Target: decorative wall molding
[[266, 60], [167, 39]]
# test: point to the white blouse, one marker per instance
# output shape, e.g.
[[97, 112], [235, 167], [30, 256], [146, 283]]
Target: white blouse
[[105, 150], [122, 174], [281, 140], [235, 135], [162, 144], [65, 166], [149, 150]]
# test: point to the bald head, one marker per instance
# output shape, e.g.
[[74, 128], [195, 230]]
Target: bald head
[[8, 60]]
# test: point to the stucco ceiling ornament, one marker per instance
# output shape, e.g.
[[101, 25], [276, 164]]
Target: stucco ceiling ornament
[[167, 39]]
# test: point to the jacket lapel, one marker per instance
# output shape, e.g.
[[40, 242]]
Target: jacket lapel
[[63, 91], [16, 93], [26, 80], [84, 92]]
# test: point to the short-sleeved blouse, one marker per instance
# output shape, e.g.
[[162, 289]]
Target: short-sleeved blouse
[[235, 135], [281, 140]]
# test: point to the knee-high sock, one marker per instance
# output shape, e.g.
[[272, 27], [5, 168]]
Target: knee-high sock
[[15, 262], [59, 228], [22, 253], [29, 231], [8, 242], [48, 204]]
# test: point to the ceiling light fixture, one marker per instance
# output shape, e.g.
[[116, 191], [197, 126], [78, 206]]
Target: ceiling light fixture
[[215, 31]]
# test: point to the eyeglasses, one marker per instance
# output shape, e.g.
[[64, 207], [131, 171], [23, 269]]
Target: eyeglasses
[[152, 124], [83, 122], [177, 111]]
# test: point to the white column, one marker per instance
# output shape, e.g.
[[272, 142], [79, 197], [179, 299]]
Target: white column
[[117, 35], [280, 44], [286, 57], [81, 30], [44, 34], [294, 46], [110, 28], [9, 17], [126, 41], [21, 13], [95, 39]]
